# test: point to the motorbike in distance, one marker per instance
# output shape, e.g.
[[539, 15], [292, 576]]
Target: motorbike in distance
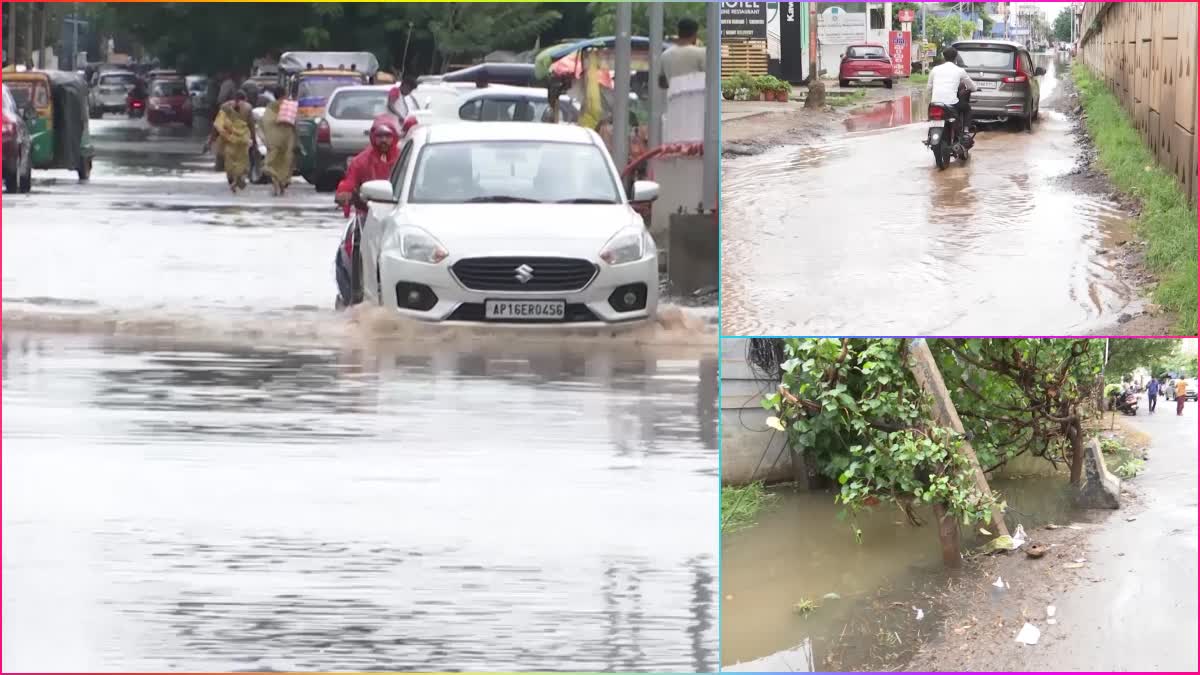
[[1125, 402], [946, 137], [135, 106]]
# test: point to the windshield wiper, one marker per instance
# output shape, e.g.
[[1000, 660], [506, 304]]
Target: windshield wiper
[[502, 199], [585, 200]]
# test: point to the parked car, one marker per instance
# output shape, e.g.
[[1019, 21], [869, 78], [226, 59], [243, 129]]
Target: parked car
[[1191, 389], [169, 102], [512, 104], [508, 223], [1007, 79], [18, 145], [866, 62], [344, 130], [109, 92]]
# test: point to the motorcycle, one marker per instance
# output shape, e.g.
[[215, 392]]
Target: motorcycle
[[947, 140], [348, 262], [1126, 402], [135, 107]]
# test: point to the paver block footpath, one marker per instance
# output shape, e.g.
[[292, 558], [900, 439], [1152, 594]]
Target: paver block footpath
[[1100, 489]]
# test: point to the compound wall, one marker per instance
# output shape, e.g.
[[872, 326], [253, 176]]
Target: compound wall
[[1146, 53]]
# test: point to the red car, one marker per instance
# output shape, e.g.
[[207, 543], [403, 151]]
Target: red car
[[169, 102], [866, 63]]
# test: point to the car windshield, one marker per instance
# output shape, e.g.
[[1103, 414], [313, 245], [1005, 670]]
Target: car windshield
[[866, 53], [512, 110], [986, 58], [358, 105], [118, 80], [321, 86], [29, 92], [171, 88], [513, 171]]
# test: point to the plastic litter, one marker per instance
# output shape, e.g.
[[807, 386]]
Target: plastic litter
[[831, 596], [1051, 610], [1080, 560], [1001, 583], [1029, 634], [1018, 537], [1073, 566], [920, 613], [983, 531]]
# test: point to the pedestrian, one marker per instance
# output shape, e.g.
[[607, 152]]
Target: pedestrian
[[235, 130], [1152, 392], [280, 132], [685, 56], [1180, 395]]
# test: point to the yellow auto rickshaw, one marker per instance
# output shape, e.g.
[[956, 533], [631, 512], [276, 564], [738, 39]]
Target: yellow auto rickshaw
[[59, 127]]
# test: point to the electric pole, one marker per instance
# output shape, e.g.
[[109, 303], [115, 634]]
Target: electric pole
[[12, 32], [29, 34], [42, 37]]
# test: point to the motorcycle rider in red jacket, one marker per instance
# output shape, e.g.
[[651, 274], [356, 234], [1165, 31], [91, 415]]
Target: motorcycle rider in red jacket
[[373, 163]]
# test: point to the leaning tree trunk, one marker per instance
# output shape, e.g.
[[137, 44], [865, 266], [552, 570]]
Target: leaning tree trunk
[[948, 534]]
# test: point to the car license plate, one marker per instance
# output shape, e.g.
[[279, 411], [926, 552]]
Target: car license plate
[[865, 73], [525, 310], [990, 86]]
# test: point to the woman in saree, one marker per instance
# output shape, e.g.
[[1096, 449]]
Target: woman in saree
[[280, 136], [233, 126]]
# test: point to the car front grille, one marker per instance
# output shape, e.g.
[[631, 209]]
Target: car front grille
[[524, 274]]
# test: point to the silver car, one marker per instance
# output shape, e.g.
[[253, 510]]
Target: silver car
[[345, 129], [1006, 78], [110, 91]]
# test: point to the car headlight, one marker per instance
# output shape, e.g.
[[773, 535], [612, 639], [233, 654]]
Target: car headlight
[[628, 245], [420, 246]]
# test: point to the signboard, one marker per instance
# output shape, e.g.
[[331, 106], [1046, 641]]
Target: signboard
[[744, 20], [906, 15], [900, 49], [836, 26], [791, 41]]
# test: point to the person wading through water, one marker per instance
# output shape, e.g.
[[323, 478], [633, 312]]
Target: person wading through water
[[1180, 395], [236, 131], [373, 163], [280, 135]]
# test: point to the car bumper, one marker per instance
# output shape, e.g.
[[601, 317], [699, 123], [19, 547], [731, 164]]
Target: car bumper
[[331, 161], [589, 306], [867, 78], [168, 115], [109, 103], [985, 105]]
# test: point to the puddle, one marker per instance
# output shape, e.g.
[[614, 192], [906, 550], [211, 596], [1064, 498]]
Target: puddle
[[865, 235], [800, 550]]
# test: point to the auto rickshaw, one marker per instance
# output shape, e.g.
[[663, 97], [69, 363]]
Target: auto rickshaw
[[60, 127], [309, 78]]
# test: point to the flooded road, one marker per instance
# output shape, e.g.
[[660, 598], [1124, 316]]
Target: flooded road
[[864, 235], [801, 551], [205, 468]]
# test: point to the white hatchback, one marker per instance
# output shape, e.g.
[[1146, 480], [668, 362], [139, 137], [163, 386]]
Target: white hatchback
[[508, 222]]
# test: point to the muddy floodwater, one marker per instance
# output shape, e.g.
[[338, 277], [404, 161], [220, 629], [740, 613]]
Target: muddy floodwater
[[205, 468], [864, 235], [800, 550]]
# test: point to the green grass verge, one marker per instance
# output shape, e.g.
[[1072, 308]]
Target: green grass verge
[[740, 505], [919, 78], [1168, 222], [853, 97]]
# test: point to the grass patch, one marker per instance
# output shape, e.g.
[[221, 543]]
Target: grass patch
[[838, 100], [919, 78], [740, 505], [1167, 222]]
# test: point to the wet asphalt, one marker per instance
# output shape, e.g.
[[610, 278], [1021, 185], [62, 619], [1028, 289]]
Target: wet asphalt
[[206, 468]]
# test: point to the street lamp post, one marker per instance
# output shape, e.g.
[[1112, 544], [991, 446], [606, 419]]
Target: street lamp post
[[620, 127], [657, 95], [712, 106]]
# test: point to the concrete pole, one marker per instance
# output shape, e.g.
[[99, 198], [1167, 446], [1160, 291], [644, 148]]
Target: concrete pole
[[622, 60], [658, 96], [867, 22], [41, 42], [925, 371], [11, 43], [813, 64], [712, 106]]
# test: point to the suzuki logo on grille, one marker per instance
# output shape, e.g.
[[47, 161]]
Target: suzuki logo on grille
[[524, 273]]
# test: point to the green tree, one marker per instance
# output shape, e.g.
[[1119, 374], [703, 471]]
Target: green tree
[[945, 30], [1062, 26], [852, 408], [1128, 354], [604, 17]]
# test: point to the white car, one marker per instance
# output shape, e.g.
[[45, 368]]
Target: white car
[[512, 104], [508, 222], [344, 130], [110, 91]]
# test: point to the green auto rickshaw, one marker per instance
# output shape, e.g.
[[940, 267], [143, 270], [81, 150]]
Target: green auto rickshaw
[[59, 129]]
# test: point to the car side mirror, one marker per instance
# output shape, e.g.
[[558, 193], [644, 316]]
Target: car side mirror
[[378, 191], [644, 191], [1039, 71]]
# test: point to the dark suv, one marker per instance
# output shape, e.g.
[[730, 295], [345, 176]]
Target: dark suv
[[18, 146], [1007, 80]]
